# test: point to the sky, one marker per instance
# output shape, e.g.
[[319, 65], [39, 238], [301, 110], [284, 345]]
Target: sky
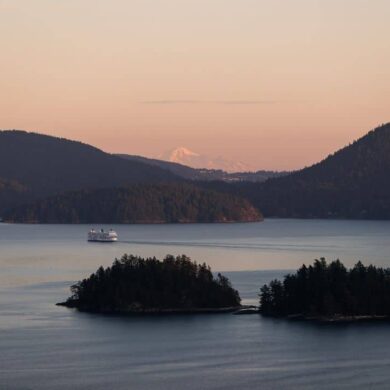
[[278, 84]]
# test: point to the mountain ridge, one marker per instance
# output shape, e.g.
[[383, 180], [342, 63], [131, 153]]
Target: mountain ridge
[[197, 174], [352, 183]]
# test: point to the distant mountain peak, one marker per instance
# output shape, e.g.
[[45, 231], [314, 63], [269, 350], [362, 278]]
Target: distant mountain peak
[[185, 156], [178, 154]]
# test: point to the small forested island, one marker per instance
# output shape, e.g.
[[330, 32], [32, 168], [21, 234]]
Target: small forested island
[[134, 285], [139, 203], [329, 292]]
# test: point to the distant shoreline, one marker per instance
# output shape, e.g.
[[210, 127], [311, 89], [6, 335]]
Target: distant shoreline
[[129, 223]]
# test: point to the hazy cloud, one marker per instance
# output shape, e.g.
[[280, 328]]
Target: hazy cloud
[[172, 102], [231, 102], [245, 102]]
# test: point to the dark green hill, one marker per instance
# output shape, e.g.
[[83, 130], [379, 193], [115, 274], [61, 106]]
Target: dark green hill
[[136, 285], [34, 165], [164, 203], [351, 183]]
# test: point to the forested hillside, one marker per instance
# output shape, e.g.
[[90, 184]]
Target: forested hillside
[[34, 165], [351, 183]]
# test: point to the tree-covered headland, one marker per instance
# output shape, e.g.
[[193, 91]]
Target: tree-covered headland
[[329, 290], [137, 285], [141, 203]]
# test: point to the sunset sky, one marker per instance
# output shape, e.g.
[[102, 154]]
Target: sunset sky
[[275, 83]]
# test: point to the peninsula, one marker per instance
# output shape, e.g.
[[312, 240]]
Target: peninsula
[[139, 203]]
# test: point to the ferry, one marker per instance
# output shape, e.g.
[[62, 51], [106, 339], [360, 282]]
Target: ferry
[[102, 236]]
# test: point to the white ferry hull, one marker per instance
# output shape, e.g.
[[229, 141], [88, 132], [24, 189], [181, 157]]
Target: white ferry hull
[[102, 240], [102, 236]]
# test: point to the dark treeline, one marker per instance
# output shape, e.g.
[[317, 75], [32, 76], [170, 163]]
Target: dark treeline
[[134, 284], [158, 203], [329, 290]]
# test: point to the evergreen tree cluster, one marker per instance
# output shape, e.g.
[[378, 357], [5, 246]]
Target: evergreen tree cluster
[[135, 284], [324, 289]]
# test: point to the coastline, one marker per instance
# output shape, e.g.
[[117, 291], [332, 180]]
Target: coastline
[[140, 222]]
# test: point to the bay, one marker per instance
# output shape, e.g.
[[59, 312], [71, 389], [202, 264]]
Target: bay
[[44, 346]]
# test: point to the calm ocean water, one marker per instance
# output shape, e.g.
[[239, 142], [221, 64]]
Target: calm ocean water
[[43, 346]]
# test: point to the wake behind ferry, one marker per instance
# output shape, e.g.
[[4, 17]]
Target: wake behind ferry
[[102, 236]]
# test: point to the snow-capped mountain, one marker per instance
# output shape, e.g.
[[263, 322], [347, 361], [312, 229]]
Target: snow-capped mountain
[[182, 155], [185, 156]]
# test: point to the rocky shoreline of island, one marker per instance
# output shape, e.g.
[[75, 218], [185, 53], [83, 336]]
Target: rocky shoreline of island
[[338, 319], [152, 310]]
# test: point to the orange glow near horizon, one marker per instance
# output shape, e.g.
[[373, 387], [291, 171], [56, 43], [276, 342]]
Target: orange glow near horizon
[[274, 83]]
